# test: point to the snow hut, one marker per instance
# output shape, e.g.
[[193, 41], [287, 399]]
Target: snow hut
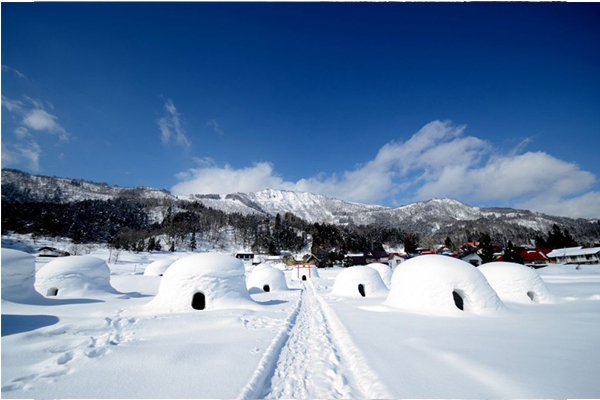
[[441, 285], [385, 272], [516, 283], [359, 281], [267, 279], [158, 267], [74, 276], [303, 272], [206, 281], [18, 277]]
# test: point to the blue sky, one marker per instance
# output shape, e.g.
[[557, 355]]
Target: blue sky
[[493, 104]]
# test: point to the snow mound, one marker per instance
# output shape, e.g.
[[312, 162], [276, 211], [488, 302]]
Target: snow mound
[[359, 281], [441, 285], [18, 277], [207, 281], [158, 267], [385, 272], [304, 272], [516, 283], [266, 278], [74, 276]]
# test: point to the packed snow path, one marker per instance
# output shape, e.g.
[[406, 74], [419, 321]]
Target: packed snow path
[[313, 357]]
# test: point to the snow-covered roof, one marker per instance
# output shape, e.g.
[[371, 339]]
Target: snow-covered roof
[[359, 281], [573, 251], [516, 282], [438, 285]]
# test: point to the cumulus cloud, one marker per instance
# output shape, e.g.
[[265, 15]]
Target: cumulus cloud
[[437, 161], [170, 127]]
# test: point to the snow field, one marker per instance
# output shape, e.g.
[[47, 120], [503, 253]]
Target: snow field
[[302, 342]]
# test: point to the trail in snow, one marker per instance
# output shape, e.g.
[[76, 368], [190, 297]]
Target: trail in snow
[[313, 357]]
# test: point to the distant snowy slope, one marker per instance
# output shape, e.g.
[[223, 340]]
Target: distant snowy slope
[[438, 217], [19, 186]]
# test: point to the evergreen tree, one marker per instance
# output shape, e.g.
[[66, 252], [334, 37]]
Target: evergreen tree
[[193, 241], [511, 254], [486, 248]]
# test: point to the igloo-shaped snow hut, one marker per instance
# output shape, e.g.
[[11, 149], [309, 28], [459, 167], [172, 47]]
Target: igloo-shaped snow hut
[[18, 277], [441, 285], [385, 272], [303, 272], [206, 281], [158, 267], [74, 276], [267, 279], [359, 281], [516, 283]]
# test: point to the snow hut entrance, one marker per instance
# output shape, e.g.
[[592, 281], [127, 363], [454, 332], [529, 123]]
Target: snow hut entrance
[[303, 277], [266, 288], [361, 289], [532, 296], [458, 300], [52, 291], [199, 301]]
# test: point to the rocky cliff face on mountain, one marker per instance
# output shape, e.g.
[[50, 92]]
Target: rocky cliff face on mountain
[[436, 217]]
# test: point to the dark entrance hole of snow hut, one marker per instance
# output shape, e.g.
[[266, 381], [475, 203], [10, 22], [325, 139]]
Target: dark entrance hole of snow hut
[[303, 277], [199, 301], [458, 300], [52, 291], [361, 289], [532, 296], [266, 288]]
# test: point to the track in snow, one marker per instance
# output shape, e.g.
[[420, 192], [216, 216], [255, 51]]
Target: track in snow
[[313, 357]]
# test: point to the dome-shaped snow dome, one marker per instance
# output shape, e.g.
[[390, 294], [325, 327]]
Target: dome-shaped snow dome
[[385, 272], [441, 285], [18, 277], [158, 267], [74, 276], [359, 281], [302, 272], [267, 279], [205, 281], [516, 283]]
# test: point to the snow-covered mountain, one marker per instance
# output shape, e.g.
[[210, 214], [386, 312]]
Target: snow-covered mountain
[[21, 187], [436, 216]]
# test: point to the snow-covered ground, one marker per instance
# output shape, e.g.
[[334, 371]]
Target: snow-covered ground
[[303, 342]]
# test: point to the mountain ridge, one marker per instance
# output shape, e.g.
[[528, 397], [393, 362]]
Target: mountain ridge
[[433, 217]]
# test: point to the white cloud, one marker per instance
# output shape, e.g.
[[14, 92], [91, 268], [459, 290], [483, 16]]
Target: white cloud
[[6, 68], [12, 105], [170, 126], [213, 179], [437, 161], [40, 120], [24, 153], [34, 117], [215, 126]]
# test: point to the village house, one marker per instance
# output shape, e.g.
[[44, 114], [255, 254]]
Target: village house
[[575, 255]]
